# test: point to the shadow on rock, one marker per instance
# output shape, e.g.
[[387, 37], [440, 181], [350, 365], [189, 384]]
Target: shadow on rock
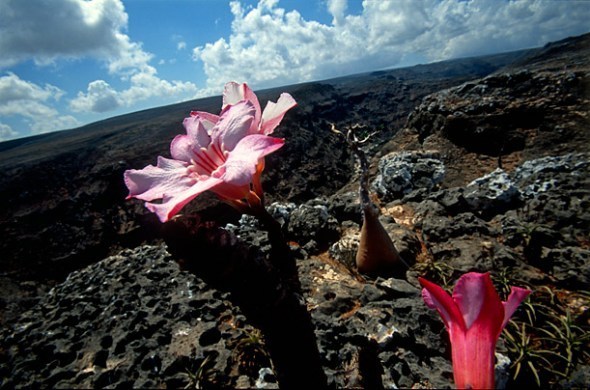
[[268, 294]]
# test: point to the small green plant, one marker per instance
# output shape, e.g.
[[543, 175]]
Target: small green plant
[[571, 339], [526, 348], [250, 353], [544, 342], [438, 272], [202, 377]]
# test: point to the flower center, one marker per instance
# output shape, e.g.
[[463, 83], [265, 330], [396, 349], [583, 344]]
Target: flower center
[[208, 160]]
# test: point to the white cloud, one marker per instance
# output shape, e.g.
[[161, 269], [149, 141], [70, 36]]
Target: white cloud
[[100, 97], [45, 30], [6, 132], [53, 123], [20, 98], [270, 46], [337, 8], [146, 84], [181, 45], [14, 89]]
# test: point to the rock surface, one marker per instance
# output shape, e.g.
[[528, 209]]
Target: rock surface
[[487, 174]]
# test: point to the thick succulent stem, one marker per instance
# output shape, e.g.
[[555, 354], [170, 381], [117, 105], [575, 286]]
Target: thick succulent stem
[[376, 253]]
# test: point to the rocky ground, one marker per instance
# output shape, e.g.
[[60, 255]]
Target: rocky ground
[[488, 172]]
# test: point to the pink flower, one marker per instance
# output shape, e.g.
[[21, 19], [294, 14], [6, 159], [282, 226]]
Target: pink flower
[[474, 317], [223, 154]]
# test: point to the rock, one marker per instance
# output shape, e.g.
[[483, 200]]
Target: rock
[[346, 207], [502, 370], [440, 229], [491, 194], [569, 266], [135, 312], [547, 174], [344, 250], [282, 212], [312, 222], [401, 173], [350, 315]]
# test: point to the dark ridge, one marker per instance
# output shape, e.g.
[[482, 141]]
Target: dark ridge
[[62, 197]]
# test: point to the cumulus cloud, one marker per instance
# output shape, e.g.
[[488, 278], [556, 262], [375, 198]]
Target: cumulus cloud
[[6, 132], [20, 98], [45, 30], [14, 89], [101, 97], [270, 46], [146, 84], [48, 30], [337, 8]]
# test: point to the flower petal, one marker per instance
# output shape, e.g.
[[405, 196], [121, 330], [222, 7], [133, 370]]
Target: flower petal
[[473, 356], [173, 202], [274, 113], [208, 120], [197, 131], [182, 149], [437, 298], [517, 295], [153, 182], [233, 125], [469, 294], [232, 192], [234, 93], [242, 161]]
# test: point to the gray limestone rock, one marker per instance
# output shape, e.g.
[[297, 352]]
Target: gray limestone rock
[[492, 194], [400, 173]]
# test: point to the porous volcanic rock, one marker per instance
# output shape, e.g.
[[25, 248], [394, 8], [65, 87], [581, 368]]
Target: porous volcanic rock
[[132, 320], [136, 320]]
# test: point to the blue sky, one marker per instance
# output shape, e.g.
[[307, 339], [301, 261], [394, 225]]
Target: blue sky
[[66, 63]]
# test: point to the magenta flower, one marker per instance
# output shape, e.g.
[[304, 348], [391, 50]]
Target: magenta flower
[[474, 317], [223, 154]]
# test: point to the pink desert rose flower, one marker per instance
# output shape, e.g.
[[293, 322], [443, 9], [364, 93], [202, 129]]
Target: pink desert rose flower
[[474, 317], [219, 153]]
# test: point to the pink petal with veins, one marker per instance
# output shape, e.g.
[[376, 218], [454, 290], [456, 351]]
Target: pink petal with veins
[[173, 202], [241, 163], [234, 93], [153, 182], [209, 120], [182, 148]]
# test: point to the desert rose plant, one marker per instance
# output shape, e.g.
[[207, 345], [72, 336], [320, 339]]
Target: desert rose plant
[[376, 253], [221, 153], [224, 154], [474, 317]]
